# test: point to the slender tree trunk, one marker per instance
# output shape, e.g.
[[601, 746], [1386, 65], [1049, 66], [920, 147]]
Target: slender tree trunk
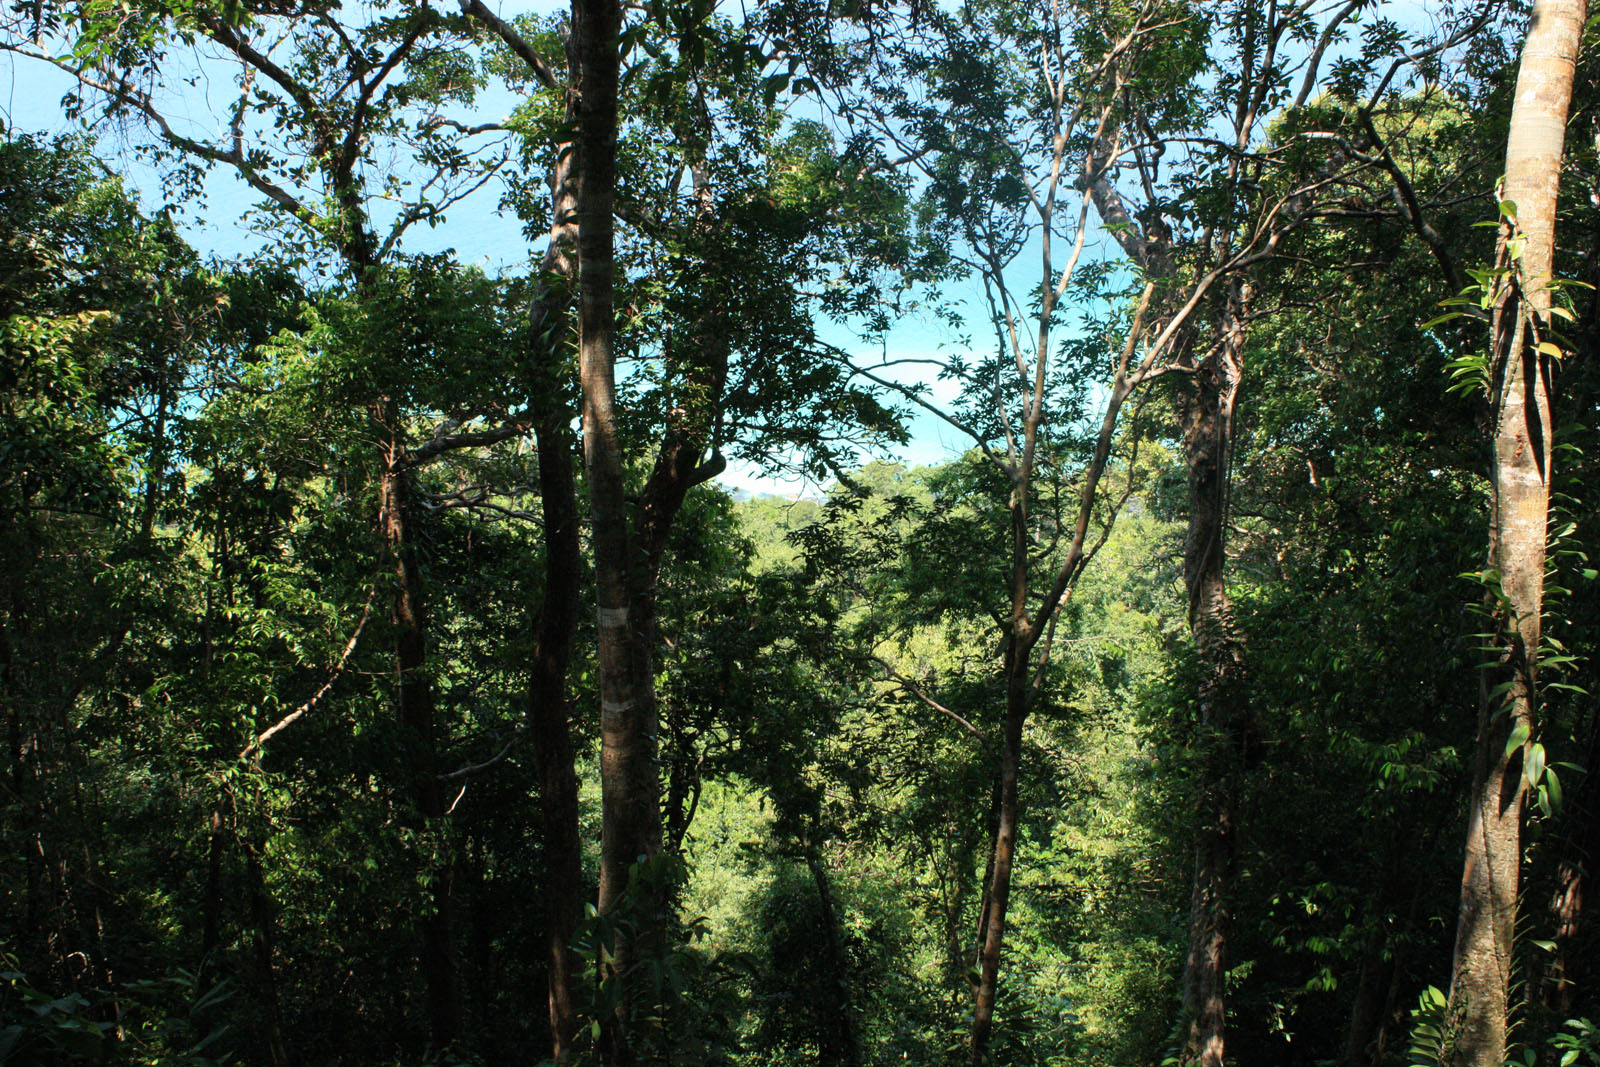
[[1207, 417], [629, 781], [683, 784], [211, 907], [1480, 985], [549, 710], [416, 714], [842, 1018], [954, 885], [151, 505], [681, 463], [1374, 978], [481, 919], [396, 505], [991, 828], [549, 716], [22, 810], [1003, 852], [1366, 1014], [261, 917]]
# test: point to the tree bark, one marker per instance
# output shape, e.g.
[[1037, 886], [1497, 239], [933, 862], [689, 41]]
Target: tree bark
[[629, 780], [261, 917], [549, 709], [1207, 419], [848, 1049], [416, 715], [1002, 852], [1480, 985]]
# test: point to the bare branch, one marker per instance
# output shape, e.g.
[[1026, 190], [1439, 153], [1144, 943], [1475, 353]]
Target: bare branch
[[1406, 197], [515, 41], [358, 120], [1467, 30], [235, 42], [478, 768], [916, 691], [1325, 38], [448, 440], [466, 131], [423, 209], [338, 669], [910, 393]]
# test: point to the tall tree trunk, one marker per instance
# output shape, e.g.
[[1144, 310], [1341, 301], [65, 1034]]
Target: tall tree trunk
[[211, 907], [416, 714], [1002, 853], [682, 463], [396, 505], [848, 1050], [954, 885], [629, 783], [1375, 976], [150, 507], [261, 917], [991, 828], [1207, 417], [549, 710], [1480, 982], [549, 714], [1366, 1013]]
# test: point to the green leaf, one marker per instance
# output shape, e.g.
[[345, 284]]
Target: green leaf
[[1533, 770], [1519, 733]]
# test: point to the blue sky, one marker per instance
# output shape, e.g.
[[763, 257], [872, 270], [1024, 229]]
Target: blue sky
[[30, 94], [476, 229]]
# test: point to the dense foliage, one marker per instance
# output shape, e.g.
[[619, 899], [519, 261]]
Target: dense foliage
[[305, 749]]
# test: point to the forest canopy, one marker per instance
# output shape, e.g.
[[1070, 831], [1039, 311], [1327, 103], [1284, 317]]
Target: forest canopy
[[1001, 532]]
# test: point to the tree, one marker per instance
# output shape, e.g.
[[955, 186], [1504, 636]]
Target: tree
[[304, 136], [630, 786], [1207, 232], [709, 185], [258, 510], [103, 313], [1507, 758], [998, 140]]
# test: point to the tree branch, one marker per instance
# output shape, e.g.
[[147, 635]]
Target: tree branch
[[447, 440], [515, 41], [916, 691], [338, 669]]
